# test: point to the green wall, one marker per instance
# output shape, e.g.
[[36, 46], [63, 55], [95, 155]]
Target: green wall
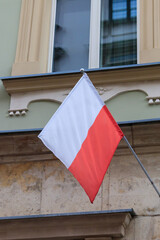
[[9, 23], [132, 106]]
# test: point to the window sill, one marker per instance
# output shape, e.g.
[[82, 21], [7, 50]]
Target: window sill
[[108, 81]]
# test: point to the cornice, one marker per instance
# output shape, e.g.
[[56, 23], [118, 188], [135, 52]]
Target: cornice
[[67, 226], [56, 86], [138, 73]]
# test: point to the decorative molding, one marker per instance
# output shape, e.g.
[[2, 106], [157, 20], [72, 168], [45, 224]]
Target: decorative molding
[[102, 90], [153, 100], [33, 37], [109, 83], [122, 75], [20, 102]]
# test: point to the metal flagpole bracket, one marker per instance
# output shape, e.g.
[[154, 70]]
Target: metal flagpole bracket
[[135, 155], [82, 70]]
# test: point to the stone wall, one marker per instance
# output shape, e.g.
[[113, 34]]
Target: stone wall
[[33, 181]]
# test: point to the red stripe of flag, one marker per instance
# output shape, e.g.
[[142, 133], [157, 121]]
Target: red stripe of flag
[[93, 159]]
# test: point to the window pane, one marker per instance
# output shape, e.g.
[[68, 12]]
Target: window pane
[[133, 4], [118, 43], [119, 15], [71, 49], [133, 13], [119, 5]]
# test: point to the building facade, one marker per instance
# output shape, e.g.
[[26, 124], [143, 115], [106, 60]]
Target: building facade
[[44, 44]]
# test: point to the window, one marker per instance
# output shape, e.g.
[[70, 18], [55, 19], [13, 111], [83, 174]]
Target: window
[[78, 22], [118, 41], [39, 35]]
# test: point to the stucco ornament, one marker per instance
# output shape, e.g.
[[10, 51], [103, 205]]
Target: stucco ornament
[[109, 83], [19, 102]]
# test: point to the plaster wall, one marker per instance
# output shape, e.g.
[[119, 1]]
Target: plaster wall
[[9, 23]]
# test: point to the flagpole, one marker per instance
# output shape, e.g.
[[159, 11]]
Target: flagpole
[[135, 155]]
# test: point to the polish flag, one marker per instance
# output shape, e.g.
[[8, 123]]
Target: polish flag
[[83, 135]]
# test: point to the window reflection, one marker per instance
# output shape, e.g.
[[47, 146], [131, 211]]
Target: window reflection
[[118, 33], [118, 9], [71, 44], [118, 40]]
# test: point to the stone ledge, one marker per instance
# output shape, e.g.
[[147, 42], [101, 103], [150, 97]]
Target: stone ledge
[[25, 147], [66, 226], [136, 73]]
